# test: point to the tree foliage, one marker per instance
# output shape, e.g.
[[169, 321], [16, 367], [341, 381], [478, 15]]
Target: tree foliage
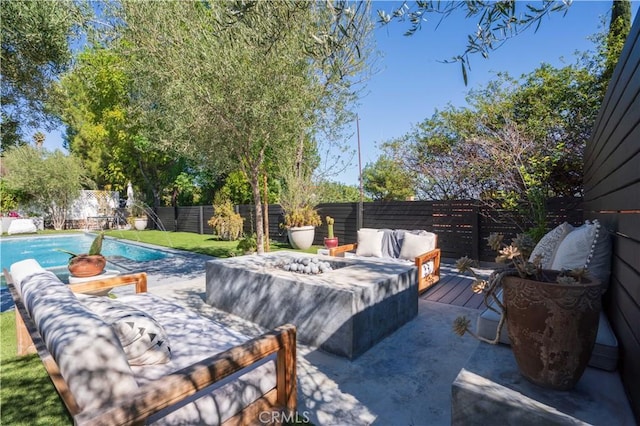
[[518, 143], [497, 22], [46, 181], [386, 180], [337, 192], [93, 99], [234, 84], [35, 50], [619, 27]]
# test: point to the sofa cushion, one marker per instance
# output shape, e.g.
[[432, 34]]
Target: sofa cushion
[[599, 261], [369, 243], [605, 350], [548, 245], [85, 348], [194, 338], [414, 245], [575, 249], [143, 339], [398, 236]]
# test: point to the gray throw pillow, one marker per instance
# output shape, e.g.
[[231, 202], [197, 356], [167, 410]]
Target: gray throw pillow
[[548, 245], [143, 339]]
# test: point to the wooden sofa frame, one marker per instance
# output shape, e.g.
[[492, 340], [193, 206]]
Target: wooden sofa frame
[[423, 282], [176, 387]]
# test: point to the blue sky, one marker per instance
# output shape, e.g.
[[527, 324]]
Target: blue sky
[[411, 83]]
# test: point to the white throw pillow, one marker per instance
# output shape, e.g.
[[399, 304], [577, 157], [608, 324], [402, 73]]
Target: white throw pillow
[[548, 245], [369, 243], [415, 245], [143, 339], [576, 248]]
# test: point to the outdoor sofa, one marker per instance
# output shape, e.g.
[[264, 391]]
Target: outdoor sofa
[[399, 245], [143, 359]]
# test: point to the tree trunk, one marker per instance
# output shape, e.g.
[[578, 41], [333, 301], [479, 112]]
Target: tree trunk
[[266, 215], [257, 202]]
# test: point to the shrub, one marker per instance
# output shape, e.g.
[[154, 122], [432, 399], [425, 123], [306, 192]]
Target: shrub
[[226, 223]]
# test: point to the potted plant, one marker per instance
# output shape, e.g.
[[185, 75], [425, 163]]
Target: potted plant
[[137, 218], [552, 316], [89, 264], [330, 241], [300, 223]]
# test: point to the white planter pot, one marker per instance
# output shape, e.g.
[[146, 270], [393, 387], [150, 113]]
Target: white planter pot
[[301, 238], [140, 223]]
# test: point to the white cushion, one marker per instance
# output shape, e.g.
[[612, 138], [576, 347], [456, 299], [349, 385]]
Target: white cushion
[[144, 340], [548, 245], [369, 243], [415, 245], [22, 226], [576, 248]]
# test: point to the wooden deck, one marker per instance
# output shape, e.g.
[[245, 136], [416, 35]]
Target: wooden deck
[[454, 289]]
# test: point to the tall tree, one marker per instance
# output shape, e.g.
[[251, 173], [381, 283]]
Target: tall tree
[[92, 99], [619, 27], [237, 83], [35, 50]]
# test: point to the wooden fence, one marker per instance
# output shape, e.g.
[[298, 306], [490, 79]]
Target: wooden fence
[[612, 195], [462, 226]]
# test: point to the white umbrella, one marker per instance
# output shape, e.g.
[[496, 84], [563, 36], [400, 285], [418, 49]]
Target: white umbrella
[[129, 203]]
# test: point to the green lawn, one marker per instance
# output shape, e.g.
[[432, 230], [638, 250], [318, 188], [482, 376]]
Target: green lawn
[[27, 396], [204, 244]]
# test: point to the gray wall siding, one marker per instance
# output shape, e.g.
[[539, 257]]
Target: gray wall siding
[[612, 195]]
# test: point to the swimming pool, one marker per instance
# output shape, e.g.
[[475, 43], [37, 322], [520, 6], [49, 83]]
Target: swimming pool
[[43, 249]]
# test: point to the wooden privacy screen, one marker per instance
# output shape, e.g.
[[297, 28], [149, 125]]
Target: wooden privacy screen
[[612, 195]]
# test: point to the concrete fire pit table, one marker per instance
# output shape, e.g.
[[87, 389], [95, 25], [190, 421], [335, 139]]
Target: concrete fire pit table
[[344, 311]]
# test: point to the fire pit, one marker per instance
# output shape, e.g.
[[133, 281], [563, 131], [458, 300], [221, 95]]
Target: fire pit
[[344, 309]]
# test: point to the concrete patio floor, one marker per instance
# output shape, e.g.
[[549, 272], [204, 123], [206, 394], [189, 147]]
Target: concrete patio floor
[[403, 380]]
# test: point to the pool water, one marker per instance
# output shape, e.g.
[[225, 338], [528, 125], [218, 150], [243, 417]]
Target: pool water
[[43, 249]]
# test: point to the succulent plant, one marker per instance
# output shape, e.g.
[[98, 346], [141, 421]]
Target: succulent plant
[[330, 222], [516, 256]]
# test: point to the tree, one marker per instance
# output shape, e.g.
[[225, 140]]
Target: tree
[[46, 181], [35, 49], [92, 99], [619, 27], [518, 142], [238, 83], [386, 180], [337, 192]]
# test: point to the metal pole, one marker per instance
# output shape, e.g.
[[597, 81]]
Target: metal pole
[[360, 204]]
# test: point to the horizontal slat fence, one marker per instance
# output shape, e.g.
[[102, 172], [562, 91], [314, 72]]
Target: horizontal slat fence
[[612, 195], [462, 226]]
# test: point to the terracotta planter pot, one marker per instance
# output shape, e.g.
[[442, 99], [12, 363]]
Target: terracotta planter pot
[[86, 265], [331, 242], [302, 238], [552, 327]]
